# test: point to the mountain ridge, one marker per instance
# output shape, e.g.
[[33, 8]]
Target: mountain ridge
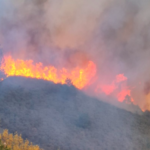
[[61, 116]]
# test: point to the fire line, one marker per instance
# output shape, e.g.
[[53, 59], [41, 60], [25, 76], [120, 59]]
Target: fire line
[[80, 77]]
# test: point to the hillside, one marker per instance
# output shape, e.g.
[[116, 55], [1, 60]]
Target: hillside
[[56, 116]]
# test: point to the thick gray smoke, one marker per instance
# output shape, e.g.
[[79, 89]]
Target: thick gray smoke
[[47, 27], [112, 33]]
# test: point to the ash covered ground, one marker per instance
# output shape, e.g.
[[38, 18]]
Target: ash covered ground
[[56, 116]]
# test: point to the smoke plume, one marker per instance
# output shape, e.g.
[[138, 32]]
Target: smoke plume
[[113, 33]]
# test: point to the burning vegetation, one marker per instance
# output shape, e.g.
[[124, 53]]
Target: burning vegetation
[[43, 36], [60, 61], [79, 77]]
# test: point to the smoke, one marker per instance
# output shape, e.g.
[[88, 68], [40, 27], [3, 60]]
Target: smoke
[[37, 27], [113, 33]]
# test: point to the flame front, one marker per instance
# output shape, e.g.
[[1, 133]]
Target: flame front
[[80, 77]]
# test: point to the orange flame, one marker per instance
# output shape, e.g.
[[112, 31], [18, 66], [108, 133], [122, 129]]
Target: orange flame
[[108, 89], [121, 96], [119, 86], [80, 77]]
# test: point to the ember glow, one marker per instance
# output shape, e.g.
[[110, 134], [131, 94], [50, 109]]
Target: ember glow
[[80, 77]]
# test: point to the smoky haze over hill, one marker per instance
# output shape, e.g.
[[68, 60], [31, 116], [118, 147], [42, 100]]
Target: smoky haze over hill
[[60, 116], [112, 33]]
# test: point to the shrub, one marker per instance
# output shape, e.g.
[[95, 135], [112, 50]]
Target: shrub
[[3, 147], [15, 142]]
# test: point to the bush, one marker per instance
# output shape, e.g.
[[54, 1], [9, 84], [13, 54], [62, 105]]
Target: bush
[[15, 142], [3, 147]]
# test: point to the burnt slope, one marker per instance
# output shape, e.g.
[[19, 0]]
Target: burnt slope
[[58, 116]]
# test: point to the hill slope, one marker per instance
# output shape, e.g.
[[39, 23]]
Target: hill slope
[[58, 116]]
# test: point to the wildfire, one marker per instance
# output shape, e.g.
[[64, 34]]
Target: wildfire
[[117, 86], [80, 77]]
